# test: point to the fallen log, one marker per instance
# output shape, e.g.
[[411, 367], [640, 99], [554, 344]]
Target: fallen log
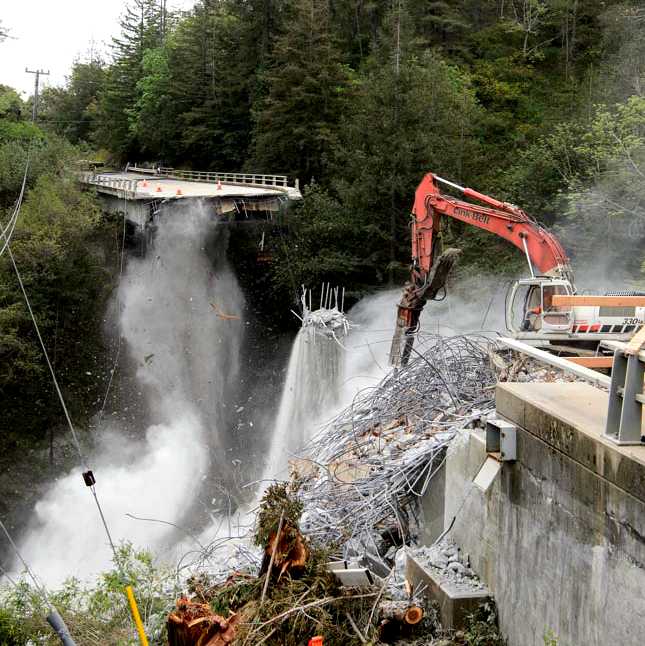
[[398, 619], [401, 611], [195, 624]]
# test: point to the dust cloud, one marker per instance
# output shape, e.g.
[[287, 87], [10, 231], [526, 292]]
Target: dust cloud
[[187, 358]]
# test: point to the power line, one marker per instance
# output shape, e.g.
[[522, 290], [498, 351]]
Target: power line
[[7, 232], [88, 476]]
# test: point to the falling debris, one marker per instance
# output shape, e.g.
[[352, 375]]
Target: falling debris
[[329, 319], [225, 317]]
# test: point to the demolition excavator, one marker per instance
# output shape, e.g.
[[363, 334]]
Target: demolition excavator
[[530, 313]]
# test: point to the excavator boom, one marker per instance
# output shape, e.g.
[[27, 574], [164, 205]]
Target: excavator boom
[[543, 249]]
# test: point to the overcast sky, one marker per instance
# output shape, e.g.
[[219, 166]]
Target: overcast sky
[[50, 35]]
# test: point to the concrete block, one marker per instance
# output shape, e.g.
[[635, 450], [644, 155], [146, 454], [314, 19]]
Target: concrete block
[[455, 602], [571, 418]]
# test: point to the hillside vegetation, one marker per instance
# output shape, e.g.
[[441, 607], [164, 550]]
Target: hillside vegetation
[[67, 255], [539, 102]]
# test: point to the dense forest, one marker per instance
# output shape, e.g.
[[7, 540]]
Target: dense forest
[[535, 101], [539, 102]]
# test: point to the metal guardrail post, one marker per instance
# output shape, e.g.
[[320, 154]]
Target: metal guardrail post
[[625, 410]]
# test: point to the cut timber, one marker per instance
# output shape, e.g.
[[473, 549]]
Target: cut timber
[[401, 611], [592, 362], [291, 551], [397, 619], [413, 615], [193, 624], [603, 301]]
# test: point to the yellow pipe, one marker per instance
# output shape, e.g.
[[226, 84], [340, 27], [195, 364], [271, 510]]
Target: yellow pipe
[[136, 616]]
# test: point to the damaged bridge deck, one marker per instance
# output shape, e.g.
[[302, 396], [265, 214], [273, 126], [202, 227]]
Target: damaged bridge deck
[[139, 193]]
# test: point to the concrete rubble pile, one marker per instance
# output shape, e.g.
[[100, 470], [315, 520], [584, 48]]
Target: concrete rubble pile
[[448, 562], [523, 369], [364, 473], [354, 502]]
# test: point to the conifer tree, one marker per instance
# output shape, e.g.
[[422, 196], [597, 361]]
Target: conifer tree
[[72, 111], [210, 85], [411, 112], [140, 31], [295, 124]]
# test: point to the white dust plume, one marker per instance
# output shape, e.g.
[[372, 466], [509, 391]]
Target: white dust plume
[[187, 354]]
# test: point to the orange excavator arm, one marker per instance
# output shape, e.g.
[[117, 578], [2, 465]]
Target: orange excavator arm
[[505, 220], [429, 268]]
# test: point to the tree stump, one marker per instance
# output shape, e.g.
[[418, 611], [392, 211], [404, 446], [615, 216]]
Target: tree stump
[[194, 623]]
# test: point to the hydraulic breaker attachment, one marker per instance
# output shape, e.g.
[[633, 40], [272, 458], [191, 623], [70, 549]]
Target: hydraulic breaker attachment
[[414, 298]]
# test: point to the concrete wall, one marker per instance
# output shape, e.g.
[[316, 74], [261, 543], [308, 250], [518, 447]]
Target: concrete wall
[[559, 537], [138, 211]]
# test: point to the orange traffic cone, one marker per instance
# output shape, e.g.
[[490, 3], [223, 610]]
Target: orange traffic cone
[[219, 185], [178, 192], [158, 189]]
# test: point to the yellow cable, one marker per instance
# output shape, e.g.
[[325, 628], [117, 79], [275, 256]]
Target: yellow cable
[[136, 616]]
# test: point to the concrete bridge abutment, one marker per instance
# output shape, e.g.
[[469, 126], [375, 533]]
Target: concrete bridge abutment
[[559, 535]]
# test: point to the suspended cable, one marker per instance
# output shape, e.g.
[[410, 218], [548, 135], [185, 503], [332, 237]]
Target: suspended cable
[[6, 232], [9, 578], [88, 476], [119, 342], [39, 587], [53, 618]]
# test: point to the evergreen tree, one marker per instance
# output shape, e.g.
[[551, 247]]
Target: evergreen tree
[[152, 121], [295, 125], [141, 30], [421, 114], [210, 87], [420, 119], [72, 111]]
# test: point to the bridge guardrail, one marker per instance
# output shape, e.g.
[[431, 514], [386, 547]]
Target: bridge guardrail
[[280, 181], [109, 181], [624, 423], [129, 186], [626, 399]]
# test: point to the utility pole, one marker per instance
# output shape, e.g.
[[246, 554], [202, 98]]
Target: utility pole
[[34, 112]]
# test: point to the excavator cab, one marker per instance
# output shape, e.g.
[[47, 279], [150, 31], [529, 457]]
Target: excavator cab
[[530, 306]]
